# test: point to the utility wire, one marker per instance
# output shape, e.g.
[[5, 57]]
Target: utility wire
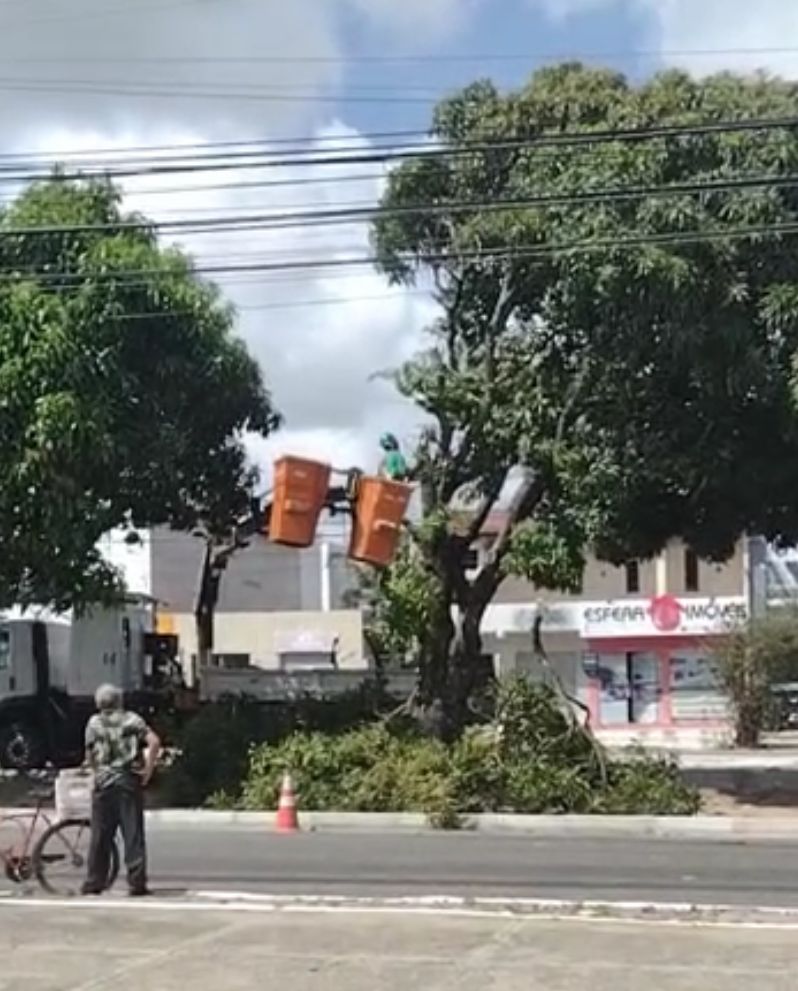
[[200, 155], [436, 58], [302, 181], [300, 304], [191, 148], [248, 95], [259, 156], [548, 140], [360, 214], [498, 253]]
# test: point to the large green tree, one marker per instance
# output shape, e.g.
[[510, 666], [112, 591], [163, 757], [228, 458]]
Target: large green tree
[[124, 394], [618, 285]]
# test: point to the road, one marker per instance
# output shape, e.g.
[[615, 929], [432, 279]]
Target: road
[[236, 858], [94, 947]]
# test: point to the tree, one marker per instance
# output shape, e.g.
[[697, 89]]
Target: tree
[[619, 309], [124, 395], [751, 661]]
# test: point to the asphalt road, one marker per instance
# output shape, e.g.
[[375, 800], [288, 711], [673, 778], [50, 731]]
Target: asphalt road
[[389, 865]]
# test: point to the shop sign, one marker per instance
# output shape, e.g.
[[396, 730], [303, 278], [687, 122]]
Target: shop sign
[[503, 618], [664, 615]]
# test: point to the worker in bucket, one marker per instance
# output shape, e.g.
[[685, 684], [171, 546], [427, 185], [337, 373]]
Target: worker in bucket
[[393, 464], [122, 751]]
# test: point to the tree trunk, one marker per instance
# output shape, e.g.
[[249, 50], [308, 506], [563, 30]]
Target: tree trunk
[[449, 670]]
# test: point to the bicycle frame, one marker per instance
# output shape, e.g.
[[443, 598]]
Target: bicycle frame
[[15, 858]]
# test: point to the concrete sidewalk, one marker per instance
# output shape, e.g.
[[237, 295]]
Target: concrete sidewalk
[[127, 949]]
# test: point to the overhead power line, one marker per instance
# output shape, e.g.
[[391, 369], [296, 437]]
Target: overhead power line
[[361, 214], [192, 147], [434, 58], [340, 154], [566, 139], [498, 253], [175, 93], [299, 304]]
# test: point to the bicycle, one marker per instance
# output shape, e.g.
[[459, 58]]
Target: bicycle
[[63, 844]]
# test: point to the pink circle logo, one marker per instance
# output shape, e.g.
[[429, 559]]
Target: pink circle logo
[[666, 613]]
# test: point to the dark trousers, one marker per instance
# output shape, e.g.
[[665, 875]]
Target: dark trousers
[[117, 806]]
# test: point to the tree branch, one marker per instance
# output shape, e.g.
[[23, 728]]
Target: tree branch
[[529, 494], [450, 358], [502, 308], [571, 398]]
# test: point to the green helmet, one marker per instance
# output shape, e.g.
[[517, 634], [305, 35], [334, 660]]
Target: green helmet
[[389, 443]]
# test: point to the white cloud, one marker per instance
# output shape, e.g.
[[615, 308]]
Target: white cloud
[[57, 54], [217, 65], [433, 18], [63, 68], [707, 35], [740, 34], [320, 335]]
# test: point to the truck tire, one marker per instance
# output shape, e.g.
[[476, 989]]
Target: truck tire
[[21, 747]]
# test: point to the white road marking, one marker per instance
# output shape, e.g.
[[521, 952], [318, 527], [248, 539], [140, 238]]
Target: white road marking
[[595, 912]]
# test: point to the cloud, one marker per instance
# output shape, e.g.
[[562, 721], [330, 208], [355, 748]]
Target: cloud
[[706, 35], [733, 34], [116, 74], [319, 335], [430, 18], [221, 66], [105, 63]]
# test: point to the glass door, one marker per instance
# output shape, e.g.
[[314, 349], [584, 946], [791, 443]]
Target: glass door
[[629, 688], [613, 677], [644, 677]]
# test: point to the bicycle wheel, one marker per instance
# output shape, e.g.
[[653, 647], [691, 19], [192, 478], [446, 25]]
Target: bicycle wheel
[[61, 854]]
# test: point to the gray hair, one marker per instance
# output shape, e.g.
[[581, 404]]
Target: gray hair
[[108, 698]]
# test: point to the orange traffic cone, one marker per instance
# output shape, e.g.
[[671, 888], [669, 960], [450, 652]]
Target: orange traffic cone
[[287, 819]]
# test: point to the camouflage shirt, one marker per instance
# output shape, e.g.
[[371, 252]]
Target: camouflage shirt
[[115, 743]]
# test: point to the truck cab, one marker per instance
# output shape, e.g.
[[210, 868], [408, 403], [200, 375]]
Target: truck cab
[[50, 667]]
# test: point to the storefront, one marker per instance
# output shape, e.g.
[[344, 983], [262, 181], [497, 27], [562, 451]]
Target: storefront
[[651, 665], [645, 668]]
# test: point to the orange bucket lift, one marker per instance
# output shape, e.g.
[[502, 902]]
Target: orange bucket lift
[[380, 509], [300, 491]]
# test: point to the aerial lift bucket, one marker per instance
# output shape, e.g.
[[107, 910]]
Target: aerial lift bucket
[[380, 509], [300, 491]]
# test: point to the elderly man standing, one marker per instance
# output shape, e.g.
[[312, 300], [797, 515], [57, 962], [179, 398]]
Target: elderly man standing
[[122, 750]]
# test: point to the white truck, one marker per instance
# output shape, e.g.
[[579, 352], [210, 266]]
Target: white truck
[[50, 667]]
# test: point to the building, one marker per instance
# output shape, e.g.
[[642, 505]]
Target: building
[[279, 609], [636, 646]]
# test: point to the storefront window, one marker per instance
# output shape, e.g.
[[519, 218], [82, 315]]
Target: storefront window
[[629, 689], [696, 692]]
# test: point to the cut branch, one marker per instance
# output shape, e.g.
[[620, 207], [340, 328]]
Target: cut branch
[[484, 508]]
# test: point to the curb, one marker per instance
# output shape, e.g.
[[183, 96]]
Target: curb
[[714, 828]]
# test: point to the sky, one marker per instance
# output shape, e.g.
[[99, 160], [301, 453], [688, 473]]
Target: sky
[[89, 74]]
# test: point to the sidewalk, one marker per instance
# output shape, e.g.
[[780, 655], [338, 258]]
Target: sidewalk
[[129, 948], [778, 750]]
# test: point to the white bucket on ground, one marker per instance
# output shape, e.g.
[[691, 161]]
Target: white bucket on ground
[[73, 788]]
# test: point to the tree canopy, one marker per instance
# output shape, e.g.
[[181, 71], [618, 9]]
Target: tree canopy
[[618, 285], [124, 394]]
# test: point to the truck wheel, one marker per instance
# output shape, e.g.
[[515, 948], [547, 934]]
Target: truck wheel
[[21, 747]]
